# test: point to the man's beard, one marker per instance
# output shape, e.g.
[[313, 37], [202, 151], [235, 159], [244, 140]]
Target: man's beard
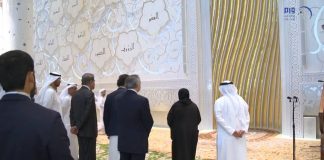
[[33, 92]]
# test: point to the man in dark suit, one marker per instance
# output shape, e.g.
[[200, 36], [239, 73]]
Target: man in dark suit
[[83, 118], [28, 131], [135, 121], [110, 117]]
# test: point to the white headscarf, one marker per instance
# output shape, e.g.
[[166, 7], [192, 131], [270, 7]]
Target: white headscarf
[[65, 92], [227, 88], [229, 92], [101, 90], [2, 92], [100, 99], [39, 98]]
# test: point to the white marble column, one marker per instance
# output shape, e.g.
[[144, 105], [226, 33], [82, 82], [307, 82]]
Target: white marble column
[[205, 66], [18, 25]]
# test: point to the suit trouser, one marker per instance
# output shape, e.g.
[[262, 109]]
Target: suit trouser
[[113, 148], [131, 156], [87, 148]]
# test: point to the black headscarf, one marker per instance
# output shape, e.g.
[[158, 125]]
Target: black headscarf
[[184, 96]]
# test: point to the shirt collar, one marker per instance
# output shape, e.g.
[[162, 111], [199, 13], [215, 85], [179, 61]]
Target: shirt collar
[[18, 92]]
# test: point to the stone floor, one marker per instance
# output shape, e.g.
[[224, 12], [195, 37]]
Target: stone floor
[[261, 145]]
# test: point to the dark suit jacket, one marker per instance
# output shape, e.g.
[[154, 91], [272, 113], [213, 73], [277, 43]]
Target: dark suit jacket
[[83, 113], [110, 113], [29, 131], [135, 122]]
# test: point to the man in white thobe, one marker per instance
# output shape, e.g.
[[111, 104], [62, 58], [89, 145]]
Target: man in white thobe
[[47, 95], [100, 103], [232, 116], [65, 98]]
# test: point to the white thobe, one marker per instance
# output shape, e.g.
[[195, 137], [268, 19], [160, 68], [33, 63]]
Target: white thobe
[[100, 106], [231, 114], [51, 100], [74, 145], [2, 92]]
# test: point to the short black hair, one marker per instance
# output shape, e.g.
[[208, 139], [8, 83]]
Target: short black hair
[[121, 80], [87, 78], [14, 66]]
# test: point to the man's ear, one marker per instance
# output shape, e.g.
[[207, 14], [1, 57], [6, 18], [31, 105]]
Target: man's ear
[[29, 81], [30, 77]]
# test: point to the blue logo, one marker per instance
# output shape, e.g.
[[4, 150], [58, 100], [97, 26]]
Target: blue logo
[[289, 10], [289, 13]]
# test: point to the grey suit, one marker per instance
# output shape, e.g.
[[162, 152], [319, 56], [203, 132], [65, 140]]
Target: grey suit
[[83, 115]]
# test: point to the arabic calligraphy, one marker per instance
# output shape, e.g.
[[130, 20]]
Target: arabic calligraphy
[[101, 53], [82, 34], [154, 17], [128, 49]]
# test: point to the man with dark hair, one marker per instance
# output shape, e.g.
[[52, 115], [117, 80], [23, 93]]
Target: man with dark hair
[[83, 118], [28, 131], [110, 117], [135, 121]]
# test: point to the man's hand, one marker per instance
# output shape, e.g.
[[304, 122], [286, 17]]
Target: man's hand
[[236, 134], [74, 130], [241, 132]]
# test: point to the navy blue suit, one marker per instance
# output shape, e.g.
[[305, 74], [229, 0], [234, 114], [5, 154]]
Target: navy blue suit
[[110, 112], [135, 123], [31, 132]]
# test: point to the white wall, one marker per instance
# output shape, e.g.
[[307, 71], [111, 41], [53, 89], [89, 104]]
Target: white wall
[[166, 42], [16, 25], [301, 39]]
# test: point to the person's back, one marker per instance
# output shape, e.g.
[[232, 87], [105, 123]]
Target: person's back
[[186, 113], [28, 131], [86, 117], [110, 118], [232, 117], [183, 119], [131, 111], [83, 118], [110, 113], [135, 121]]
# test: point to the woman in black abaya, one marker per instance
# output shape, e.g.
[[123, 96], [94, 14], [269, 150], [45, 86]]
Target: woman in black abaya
[[183, 119]]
